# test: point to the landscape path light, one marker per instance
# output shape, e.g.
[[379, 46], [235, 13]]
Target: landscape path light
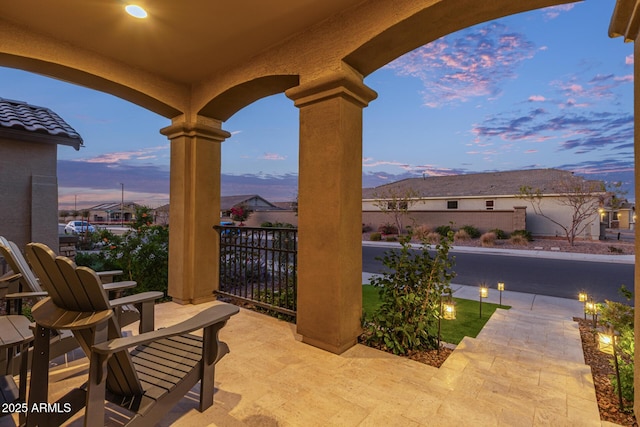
[[501, 290], [484, 293], [583, 297], [447, 311], [607, 340]]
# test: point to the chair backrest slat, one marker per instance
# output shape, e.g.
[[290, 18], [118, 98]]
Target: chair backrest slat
[[18, 264]]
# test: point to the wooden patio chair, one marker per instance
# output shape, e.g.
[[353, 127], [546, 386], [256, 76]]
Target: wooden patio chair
[[148, 381], [128, 309]]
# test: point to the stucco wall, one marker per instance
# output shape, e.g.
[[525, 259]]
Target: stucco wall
[[29, 192], [473, 211], [483, 220]]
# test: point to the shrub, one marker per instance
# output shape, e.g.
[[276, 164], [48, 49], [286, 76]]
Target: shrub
[[524, 233], [388, 229], [432, 237], [472, 231], [391, 239], [366, 228], [268, 224], [410, 295], [443, 230], [488, 239], [375, 237], [518, 239], [421, 232], [500, 234], [461, 236], [141, 253]]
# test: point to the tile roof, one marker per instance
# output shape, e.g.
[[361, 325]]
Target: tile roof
[[36, 121], [476, 184]]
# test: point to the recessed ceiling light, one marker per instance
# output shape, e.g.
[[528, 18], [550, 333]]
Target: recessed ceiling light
[[136, 11]]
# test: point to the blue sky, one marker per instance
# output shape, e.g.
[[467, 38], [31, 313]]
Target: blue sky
[[546, 88]]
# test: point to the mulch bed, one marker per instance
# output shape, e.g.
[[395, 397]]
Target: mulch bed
[[602, 370]]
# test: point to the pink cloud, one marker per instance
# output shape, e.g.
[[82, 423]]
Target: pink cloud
[[466, 64], [273, 156], [537, 98], [530, 151], [628, 59], [554, 11]]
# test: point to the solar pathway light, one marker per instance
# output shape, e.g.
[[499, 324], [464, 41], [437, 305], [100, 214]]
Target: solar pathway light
[[501, 290], [447, 311], [583, 297], [591, 307], [607, 340], [484, 293]]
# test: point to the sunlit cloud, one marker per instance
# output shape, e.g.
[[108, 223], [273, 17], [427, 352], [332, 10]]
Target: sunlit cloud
[[628, 60], [578, 132], [537, 98], [273, 156], [554, 11], [530, 151], [120, 156], [465, 65]]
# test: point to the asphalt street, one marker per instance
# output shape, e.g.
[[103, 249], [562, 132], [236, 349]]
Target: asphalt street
[[562, 278]]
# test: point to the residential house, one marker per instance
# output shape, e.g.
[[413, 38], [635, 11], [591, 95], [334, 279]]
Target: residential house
[[113, 212], [29, 139], [485, 200]]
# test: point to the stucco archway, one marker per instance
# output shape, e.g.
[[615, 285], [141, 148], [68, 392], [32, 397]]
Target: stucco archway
[[198, 74]]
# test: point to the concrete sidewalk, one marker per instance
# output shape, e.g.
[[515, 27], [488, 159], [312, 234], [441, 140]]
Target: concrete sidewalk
[[615, 259]]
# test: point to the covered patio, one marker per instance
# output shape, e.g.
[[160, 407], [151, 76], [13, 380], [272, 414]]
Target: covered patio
[[526, 368], [198, 63]]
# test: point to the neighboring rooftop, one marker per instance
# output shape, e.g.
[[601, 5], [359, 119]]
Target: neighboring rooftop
[[23, 121], [476, 184]]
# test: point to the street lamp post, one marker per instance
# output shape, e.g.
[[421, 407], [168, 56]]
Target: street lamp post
[[122, 206]]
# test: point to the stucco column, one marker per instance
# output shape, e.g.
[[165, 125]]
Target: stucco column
[[330, 209], [194, 208]]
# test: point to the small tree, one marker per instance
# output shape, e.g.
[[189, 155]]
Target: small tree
[[240, 213], [410, 293], [396, 203], [582, 197]]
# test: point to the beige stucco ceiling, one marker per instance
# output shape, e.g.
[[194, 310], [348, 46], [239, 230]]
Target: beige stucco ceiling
[[183, 41]]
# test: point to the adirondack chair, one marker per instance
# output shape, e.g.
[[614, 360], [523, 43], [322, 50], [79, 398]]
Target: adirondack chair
[[128, 309], [148, 381]]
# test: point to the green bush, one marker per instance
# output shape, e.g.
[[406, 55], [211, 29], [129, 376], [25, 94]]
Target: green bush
[[524, 233], [472, 231], [268, 224], [375, 237], [619, 317], [142, 253], [391, 239], [410, 293], [500, 234], [443, 230]]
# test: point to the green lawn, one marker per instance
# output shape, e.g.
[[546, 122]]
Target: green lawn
[[467, 323]]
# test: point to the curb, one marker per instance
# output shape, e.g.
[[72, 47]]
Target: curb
[[615, 259]]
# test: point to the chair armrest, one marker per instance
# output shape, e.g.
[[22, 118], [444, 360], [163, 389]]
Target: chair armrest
[[136, 298], [47, 314], [8, 278], [19, 295], [109, 273], [118, 286], [216, 314]]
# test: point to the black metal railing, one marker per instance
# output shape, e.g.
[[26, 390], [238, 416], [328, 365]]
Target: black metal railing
[[258, 266]]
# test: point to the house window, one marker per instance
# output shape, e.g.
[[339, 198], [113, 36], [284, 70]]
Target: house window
[[452, 204], [489, 204], [403, 206]]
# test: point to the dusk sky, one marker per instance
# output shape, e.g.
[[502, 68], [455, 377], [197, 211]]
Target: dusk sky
[[542, 89]]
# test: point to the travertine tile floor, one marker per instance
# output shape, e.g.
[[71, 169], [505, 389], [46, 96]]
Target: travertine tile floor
[[525, 369]]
